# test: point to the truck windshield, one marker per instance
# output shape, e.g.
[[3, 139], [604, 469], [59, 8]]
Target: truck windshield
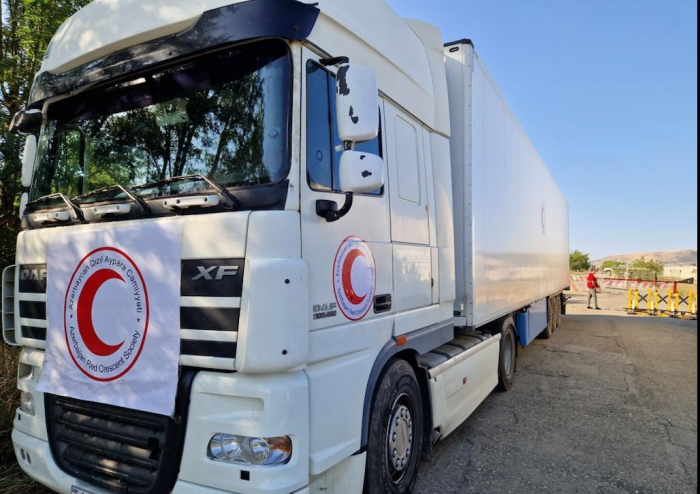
[[224, 116]]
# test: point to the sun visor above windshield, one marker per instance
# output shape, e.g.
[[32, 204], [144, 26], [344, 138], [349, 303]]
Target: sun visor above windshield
[[253, 19]]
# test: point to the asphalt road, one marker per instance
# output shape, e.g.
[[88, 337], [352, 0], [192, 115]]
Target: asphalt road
[[607, 406]]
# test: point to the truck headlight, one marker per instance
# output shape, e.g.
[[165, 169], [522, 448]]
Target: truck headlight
[[224, 447], [26, 403], [255, 451], [260, 450]]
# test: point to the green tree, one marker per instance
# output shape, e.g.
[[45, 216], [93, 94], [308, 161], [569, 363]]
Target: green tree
[[26, 28], [652, 265], [613, 265], [579, 261]]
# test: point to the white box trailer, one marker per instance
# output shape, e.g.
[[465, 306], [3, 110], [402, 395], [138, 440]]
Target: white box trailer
[[511, 218]]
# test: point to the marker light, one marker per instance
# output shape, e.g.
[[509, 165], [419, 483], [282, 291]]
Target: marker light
[[26, 403], [255, 451]]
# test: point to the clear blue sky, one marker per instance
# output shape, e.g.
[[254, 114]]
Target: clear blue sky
[[607, 92]]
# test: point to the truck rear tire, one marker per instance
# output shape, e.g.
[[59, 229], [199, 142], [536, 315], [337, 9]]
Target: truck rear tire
[[507, 361], [395, 432]]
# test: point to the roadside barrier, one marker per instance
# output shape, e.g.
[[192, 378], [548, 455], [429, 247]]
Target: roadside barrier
[[632, 300], [579, 283], [650, 297], [693, 302], [673, 303], [654, 301]]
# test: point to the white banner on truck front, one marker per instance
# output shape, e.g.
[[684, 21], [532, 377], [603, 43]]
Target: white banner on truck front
[[113, 299]]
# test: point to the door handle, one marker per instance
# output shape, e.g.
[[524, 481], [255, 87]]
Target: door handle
[[382, 303]]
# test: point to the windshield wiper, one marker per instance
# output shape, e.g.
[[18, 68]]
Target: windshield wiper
[[117, 208], [74, 213], [186, 201]]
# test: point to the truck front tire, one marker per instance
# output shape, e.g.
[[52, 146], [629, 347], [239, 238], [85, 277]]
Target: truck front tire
[[507, 361], [395, 432]]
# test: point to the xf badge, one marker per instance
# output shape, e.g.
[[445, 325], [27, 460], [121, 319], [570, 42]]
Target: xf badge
[[217, 273]]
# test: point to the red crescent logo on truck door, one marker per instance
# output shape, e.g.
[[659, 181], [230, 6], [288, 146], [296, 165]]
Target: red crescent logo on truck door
[[354, 278], [93, 323]]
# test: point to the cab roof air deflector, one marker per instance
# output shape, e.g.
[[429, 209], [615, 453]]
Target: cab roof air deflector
[[254, 19], [464, 41]]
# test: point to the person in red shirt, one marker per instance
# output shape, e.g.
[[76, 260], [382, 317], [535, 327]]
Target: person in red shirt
[[593, 288]]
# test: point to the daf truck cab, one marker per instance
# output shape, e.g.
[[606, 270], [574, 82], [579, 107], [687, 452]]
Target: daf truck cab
[[268, 246]]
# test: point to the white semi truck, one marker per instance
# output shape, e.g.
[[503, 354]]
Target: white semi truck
[[268, 246]]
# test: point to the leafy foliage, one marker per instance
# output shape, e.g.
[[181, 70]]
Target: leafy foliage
[[651, 265], [579, 261], [26, 28], [613, 265]]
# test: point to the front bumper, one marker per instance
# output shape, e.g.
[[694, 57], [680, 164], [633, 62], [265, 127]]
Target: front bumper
[[44, 470], [239, 404]]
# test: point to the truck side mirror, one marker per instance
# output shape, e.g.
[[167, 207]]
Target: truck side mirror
[[27, 122], [357, 103], [27, 170], [361, 172], [357, 109]]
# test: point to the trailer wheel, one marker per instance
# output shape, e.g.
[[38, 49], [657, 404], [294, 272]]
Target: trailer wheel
[[507, 362], [549, 330], [395, 432], [559, 310]]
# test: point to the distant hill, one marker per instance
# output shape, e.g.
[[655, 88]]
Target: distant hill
[[668, 257]]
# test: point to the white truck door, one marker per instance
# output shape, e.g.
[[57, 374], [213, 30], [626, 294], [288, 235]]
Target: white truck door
[[408, 194], [350, 260]]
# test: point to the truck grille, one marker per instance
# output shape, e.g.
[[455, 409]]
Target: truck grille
[[8, 305], [122, 450], [209, 312], [32, 303]]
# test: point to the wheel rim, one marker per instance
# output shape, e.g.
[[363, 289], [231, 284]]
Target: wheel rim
[[508, 352], [400, 438]]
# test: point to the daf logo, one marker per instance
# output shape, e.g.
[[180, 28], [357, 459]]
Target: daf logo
[[217, 273], [32, 274]]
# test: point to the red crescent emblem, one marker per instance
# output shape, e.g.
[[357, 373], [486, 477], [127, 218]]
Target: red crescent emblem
[[84, 313], [347, 278], [97, 359], [354, 306]]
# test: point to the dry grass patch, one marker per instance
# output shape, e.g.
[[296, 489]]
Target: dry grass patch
[[12, 479]]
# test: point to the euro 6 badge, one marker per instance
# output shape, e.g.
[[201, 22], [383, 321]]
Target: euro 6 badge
[[354, 278], [106, 352]]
